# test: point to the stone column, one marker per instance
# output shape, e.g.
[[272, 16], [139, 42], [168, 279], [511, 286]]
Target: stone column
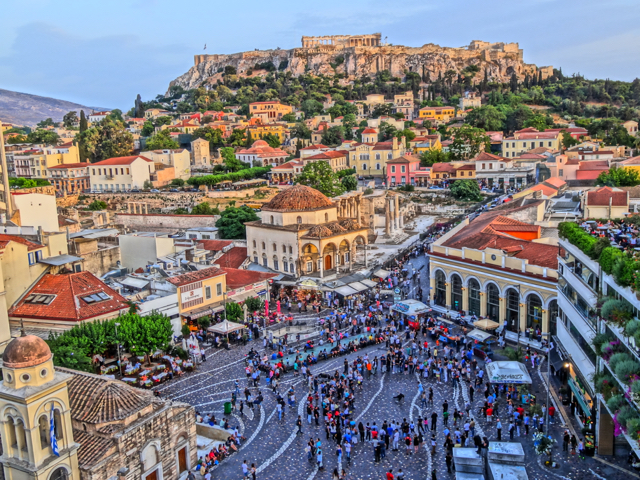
[[321, 265], [387, 219], [448, 295], [465, 299], [396, 212], [503, 310], [483, 304], [128, 207], [545, 321], [358, 209], [146, 208], [432, 294], [523, 317]]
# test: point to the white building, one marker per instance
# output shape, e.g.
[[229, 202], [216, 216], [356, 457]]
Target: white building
[[120, 174], [179, 159], [98, 116]]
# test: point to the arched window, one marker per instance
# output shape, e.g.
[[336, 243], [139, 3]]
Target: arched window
[[275, 263], [513, 310], [456, 292], [150, 457], [12, 439], [493, 302], [285, 265], [389, 156], [553, 317], [474, 297], [292, 267], [21, 435], [299, 219], [59, 474], [377, 156], [43, 427], [441, 289], [284, 249], [534, 311], [255, 257], [326, 217], [275, 248], [265, 262], [263, 246], [377, 166], [290, 249], [254, 244], [271, 219], [364, 166]]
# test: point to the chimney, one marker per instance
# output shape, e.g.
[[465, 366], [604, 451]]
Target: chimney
[[395, 143]]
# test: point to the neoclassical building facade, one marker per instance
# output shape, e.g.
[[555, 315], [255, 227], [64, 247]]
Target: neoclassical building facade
[[302, 233], [491, 268]]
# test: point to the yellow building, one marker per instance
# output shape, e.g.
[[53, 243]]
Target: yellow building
[[200, 293], [259, 131], [441, 114], [498, 267], [36, 164], [527, 139], [425, 143], [370, 159], [269, 112], [33, 395]]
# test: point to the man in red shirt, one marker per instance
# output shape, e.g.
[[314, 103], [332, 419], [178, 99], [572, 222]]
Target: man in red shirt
[[552, 412], [390, 474]]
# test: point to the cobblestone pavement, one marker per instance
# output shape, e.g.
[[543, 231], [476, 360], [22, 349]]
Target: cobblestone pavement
[[278, 452]]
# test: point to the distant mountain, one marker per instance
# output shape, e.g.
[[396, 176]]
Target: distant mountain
[[26, 109]]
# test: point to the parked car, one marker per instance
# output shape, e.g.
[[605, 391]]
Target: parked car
[[174, 190], [135, 190], [154, 190]]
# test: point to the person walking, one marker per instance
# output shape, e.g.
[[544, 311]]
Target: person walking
[[449, 460], [499, 430], [299, 425], [319, 459], [566, 438]]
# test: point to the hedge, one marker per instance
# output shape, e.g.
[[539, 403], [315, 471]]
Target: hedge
[[246, 174]]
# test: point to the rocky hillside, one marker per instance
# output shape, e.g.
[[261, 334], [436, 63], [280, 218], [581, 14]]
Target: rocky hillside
[[25, 109], [499, 61]]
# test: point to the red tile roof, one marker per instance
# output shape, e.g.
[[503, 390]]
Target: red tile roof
[[489, 157], [555, 182], [602, 196], [5, 239], [122, 160], [326, 155], [237, 278], [404, 159], [69, 290], [70, 165], [198, 276], [369, 130], [547, 190], [383, 146], [588, 174], [234, 258], [442, 167], [214, 245]]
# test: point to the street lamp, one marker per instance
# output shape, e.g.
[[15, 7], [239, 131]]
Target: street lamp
[[118, 348], [546, 412]]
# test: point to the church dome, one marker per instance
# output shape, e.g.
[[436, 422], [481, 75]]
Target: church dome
[[26, 351], [298, 198], [259, 143]]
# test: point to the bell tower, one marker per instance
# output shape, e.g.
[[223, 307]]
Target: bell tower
[[35, 417]]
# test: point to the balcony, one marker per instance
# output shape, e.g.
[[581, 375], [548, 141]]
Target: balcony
[[577, 283]]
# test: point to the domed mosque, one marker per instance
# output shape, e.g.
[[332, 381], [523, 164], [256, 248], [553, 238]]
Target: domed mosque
[[61, 424], [301, 234]]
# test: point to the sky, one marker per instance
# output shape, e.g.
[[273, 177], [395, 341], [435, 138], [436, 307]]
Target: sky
[[102, 54]]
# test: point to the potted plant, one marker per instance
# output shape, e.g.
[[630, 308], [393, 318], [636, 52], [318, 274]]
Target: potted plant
[[564, 395]]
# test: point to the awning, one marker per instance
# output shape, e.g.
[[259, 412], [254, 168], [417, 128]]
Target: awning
[[410, 307], [579, 396], [486, 324], [345, 290], [479, 335], [201, 312], [358, 287], [59, 260], [382, 273], [508, 372], [557, 362], [225, 327], [241, 297], [369, 283]]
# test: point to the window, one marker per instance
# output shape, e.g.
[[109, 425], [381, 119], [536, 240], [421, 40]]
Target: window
[[484, 166], [207, 293], [299, 219], [275, 263], [291, 266], [474, 297], [441, 289], [561, 172], [309, 267], [275, 248], [364, 166], [218, 289], [263, 246], [377, 156], [285, 266], [32, 258], [393, 169], [326, 217], [402, 169], [37, 299], [542, 144], [549, 143], [255, 257], [524, 144], [38, 255], [284, 249], [389, 156], [254, 244], [265, 262]]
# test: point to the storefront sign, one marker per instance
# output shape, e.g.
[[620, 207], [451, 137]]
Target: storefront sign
[[190, 295]]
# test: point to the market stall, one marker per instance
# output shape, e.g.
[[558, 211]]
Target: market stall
[[411, 309], [486, 324], [482, 343], [225, 328], [514, 376]]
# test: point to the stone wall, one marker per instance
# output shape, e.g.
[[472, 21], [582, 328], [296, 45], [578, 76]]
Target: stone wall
[[97, 259], [163, 223]]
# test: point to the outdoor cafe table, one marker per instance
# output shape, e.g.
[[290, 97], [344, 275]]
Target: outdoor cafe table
[[129, 380], [130, 370], [144, 372]]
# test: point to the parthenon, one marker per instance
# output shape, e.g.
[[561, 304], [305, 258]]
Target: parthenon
[[372, 40]]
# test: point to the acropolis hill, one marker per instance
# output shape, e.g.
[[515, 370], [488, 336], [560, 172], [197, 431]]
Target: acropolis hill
[[360, 55]]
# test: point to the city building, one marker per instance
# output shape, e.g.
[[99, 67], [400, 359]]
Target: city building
[[337, 159], [35, 162], [404, 103], [425, 143], [495, 266], [60, 301], [98, 116], [69, 179], [469, 100], [269, 112], [258, 131], [369, 158], [631, 126], [121, 174], [606, 202], [495, 170], [527, 139], [286, 172], [179, 159], [262, 155], [200, 293], [301, 233], [437, 114], [406, 170], [200, 153], [103, 427]]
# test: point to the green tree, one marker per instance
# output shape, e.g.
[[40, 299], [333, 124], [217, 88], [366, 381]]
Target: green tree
[[254, 304], [145, 335], [486, 117], [147, 129], [231, 163], [232, 220], [300, 130], [138, 109], [333, 136], [568, 141], [386, 131], [272, 140], [431, 156], [619, 177], [320, 175], [98, 205], [234, 312], [116, 115], [161, 141], [468, 141], [45, 123], [537, 121], [204, 208], [289, 117], [106, 139], [82, 148], [68, 354], [17, 139], [70, 119], [45, 137], [466, 190], [349, 182], [212, 135], [177, 182], [163, 120]]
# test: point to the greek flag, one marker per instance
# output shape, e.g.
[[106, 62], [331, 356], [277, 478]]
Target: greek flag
[[52, 434]]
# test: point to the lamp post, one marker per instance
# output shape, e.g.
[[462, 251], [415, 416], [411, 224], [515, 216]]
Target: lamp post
[[118, 348], [546, 412]]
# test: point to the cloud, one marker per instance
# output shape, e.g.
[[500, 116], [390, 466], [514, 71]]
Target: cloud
[[107, 71]]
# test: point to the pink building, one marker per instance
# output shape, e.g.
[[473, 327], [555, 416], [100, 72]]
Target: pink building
[[406, 170]]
